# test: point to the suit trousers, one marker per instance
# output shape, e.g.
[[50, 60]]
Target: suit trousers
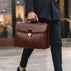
[[55, 43]]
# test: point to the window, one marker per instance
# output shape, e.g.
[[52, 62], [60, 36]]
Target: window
[[5, 19]]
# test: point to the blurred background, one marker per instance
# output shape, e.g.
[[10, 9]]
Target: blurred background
[[12, 12]]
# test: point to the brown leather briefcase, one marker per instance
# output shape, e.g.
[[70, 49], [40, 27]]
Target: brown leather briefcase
[[32, 35]]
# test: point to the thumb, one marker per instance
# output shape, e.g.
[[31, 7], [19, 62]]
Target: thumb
[[36, 17]]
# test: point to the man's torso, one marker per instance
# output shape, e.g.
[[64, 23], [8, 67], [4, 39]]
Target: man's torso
[[43, 10]]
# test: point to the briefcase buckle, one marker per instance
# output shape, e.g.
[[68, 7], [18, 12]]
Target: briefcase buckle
[[29, 35]]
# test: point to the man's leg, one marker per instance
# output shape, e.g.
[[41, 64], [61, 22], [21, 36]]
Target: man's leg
[[56, 45], [25, 56], [27, 52]]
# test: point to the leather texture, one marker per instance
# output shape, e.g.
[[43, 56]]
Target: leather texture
[[32, 35]]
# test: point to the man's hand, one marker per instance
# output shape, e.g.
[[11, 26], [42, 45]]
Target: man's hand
[[32, 16], [56, 0]]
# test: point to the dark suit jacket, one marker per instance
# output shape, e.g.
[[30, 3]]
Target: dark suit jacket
[[42, 8]]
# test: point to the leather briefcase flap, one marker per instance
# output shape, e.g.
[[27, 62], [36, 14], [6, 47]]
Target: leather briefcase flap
[[32, 28]]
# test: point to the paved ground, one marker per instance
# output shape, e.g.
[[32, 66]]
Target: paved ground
[[40, 60]]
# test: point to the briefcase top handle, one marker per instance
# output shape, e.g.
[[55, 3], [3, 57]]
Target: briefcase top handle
[[30, 21]]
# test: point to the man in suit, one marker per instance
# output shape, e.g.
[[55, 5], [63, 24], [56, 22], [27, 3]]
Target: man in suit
[[46, 11]]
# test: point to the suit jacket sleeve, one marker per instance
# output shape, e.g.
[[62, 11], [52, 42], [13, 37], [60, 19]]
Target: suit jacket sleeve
[[28, 6]]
